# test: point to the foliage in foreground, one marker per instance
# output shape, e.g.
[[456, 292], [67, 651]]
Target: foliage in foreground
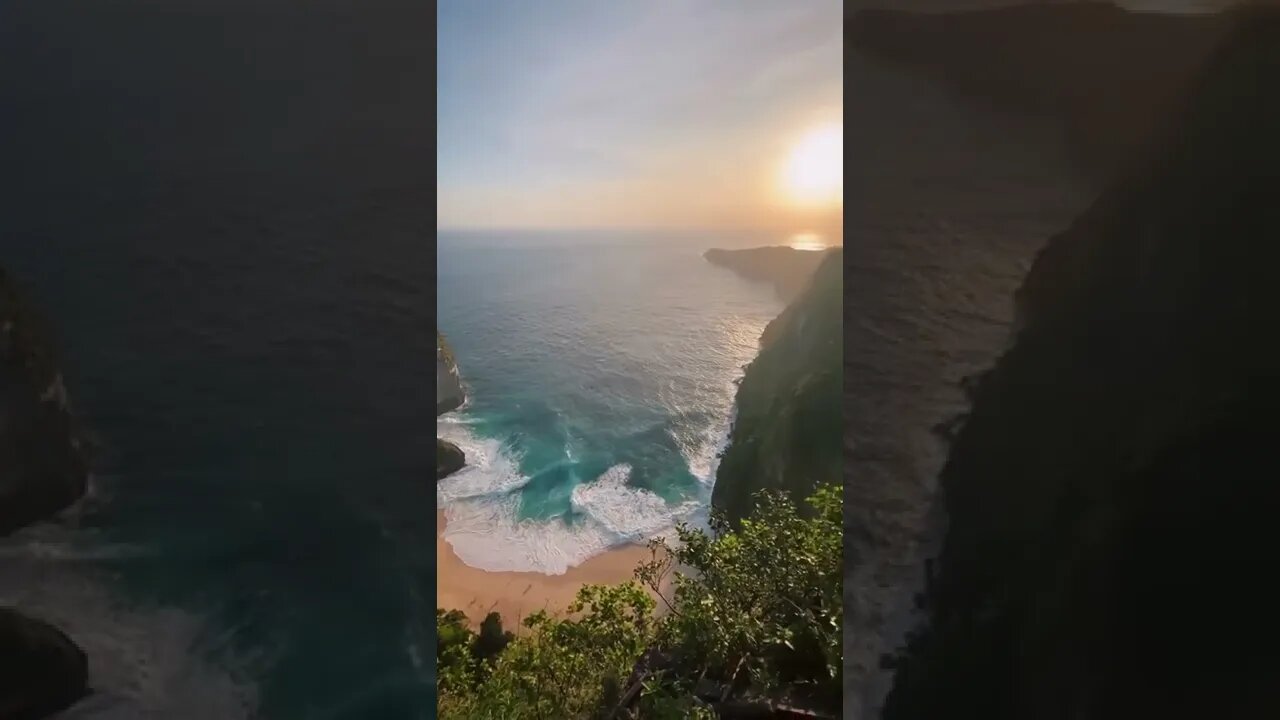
[[754, 607]]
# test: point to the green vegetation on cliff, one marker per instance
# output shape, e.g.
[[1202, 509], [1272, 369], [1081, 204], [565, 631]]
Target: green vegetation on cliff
[[750, 617], [788, 423]]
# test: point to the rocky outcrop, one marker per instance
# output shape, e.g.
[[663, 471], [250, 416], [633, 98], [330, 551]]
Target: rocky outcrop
[[449, 393], [42, 463], [41, 671], [449, 459], [1112, 492], [449, 397], [787, 429], [42, 471], [1106, 75], [787, 269]]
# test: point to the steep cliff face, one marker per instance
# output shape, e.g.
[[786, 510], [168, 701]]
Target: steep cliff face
[[787, 269], [787, 430], [1110, 494], [449, 393], [42, 467], [1106, 75]]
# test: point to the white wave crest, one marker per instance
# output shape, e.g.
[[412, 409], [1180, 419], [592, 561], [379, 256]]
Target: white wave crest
[[44, 546], [489, 469], [486, 532], [482, 509], [704, 459], [629, 513]]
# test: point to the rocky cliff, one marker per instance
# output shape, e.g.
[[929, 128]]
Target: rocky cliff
[[787, 429], [449, 397], [1111, 493], [42, 471], [1105, 75], [449, 393], [787, 269]]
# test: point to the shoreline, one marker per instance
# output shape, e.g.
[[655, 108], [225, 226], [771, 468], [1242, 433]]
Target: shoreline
[[516, 595]]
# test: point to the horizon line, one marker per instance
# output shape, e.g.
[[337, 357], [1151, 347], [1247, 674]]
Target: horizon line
[[636, 228]]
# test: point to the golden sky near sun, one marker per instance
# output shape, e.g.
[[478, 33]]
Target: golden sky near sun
[[741, 127], [790, 181], [813, 174]]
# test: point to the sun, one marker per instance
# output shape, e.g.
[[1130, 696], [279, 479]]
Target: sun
[[813, 174]]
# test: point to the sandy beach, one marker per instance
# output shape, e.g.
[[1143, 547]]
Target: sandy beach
[[518, 594]]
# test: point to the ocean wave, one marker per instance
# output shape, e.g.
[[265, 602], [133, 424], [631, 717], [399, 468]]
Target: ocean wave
[[490, 468], [70, 552], [481, 503], [704, 458], [629, 513], [486, 532], [145, 662]]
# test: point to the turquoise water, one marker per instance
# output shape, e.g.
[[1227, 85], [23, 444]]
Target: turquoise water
[[258, 540], [600, 371]]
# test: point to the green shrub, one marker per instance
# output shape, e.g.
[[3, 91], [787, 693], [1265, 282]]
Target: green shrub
[[757, 605]]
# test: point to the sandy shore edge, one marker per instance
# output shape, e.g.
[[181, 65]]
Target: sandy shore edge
[[517, 595]]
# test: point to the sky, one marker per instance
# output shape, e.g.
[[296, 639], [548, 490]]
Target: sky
[[664, 113], [1155, 6]]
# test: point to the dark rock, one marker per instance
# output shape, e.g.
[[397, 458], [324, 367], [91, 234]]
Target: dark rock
[[42, 672], [449, 459]]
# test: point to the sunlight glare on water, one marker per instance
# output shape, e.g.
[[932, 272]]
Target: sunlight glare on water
[[806, 241]]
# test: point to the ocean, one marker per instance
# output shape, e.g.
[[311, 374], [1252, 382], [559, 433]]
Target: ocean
[[258, 539], [600, 370], [225, 211]]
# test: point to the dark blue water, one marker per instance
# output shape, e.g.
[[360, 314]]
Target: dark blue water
[[600, 370], [260, 387], [224, 208]]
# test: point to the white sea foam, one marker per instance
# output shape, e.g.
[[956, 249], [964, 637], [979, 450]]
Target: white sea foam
[[484, 525], [705, 460], [490, 470], [145, 663], [50, 544], [486, 531], [629, 513]]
